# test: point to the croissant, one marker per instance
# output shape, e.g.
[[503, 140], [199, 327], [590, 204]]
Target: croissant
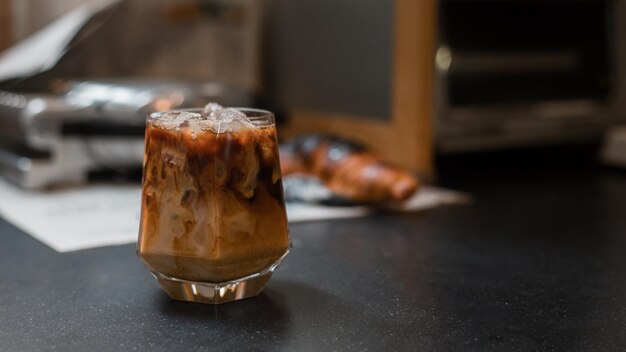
[[346, 168]]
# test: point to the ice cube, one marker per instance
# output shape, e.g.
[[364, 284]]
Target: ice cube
[[238, 125], [201, 125], [212, 110], [228, 120], [175, 119], [173, 158], [234, 120], [230, 114]]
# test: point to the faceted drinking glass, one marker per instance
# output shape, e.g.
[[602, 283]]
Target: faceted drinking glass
[[213, 221]]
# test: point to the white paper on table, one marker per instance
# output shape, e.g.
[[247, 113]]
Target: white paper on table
[[74, 218], [98, 215]]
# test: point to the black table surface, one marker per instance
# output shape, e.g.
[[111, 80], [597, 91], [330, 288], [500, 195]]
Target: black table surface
[[536, 262]]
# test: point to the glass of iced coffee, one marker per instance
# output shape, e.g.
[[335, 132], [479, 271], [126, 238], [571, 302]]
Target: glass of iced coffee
[[213, 221]]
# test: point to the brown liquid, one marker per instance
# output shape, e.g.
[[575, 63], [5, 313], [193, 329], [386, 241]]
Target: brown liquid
[[212, 204]]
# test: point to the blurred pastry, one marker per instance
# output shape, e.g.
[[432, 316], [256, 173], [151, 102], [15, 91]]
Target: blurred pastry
[[347, 168]]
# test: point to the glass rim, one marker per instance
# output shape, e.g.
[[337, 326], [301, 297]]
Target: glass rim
[[262, 113]]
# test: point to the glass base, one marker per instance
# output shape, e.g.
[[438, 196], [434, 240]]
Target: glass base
[[213, 293]]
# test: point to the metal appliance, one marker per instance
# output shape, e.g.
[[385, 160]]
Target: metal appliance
[[62, 135]]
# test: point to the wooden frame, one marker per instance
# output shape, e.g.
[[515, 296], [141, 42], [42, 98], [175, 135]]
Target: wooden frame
[[407, 138], [5, 24]]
